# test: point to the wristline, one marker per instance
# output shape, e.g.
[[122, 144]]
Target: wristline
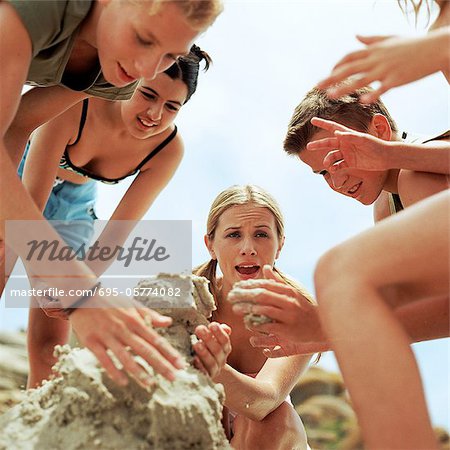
[[80, 302]]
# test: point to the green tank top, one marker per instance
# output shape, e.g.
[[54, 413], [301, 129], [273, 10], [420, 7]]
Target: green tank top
[[52, 26]]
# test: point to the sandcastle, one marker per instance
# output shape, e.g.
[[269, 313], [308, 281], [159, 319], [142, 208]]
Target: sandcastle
[[82, 409]]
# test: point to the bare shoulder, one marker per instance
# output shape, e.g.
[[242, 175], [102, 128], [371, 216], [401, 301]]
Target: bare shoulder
[[65, 125], [169, 157], [15, 48], [15, 41], [415, 186], [381, 208], [176, 146], [10, 20]]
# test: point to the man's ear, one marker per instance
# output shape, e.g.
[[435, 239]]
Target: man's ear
[[280, 247], [380, 127], [208, 243]]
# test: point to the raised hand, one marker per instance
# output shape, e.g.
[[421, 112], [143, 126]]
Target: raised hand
[[387, 60], [294, 317], [213, 348], [350, 149]]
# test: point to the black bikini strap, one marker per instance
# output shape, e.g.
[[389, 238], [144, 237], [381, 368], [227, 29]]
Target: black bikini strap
[[157, 149], [82, 119]]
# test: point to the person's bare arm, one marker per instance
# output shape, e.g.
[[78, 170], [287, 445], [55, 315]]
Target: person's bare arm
[[118, 324], [44, 154], [433, 156], [388, 60], [42, 164], [37, 106], [43, 333], [353, 149], [427, 319], [138, 199], [255, 398], [423, 320]]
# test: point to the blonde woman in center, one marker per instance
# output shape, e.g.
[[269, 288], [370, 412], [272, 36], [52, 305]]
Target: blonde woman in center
[[245, 232]]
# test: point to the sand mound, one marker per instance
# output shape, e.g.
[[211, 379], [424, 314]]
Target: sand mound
[[83, 409]]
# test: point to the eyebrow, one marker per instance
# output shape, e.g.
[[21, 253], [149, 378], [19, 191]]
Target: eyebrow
[[156, 93], [256, 226]]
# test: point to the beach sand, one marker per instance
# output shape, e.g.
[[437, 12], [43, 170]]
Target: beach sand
[[82, 408]]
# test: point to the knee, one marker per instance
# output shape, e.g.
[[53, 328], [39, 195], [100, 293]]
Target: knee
[[282, 426], [338, 270], [331, 270]]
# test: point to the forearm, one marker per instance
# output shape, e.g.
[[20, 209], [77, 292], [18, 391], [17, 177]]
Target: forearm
[[433, 157], [425, 320], [246, 395], [441, 37], [19, 206], [115, 233], [43, 334]]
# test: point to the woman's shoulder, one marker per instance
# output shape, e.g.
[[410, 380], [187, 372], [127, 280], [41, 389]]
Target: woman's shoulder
[[169, 147]]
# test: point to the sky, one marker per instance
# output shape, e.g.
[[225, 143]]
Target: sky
[[267, 55]]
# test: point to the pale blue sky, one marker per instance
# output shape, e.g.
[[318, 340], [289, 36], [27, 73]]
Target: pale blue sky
[[267, 55]]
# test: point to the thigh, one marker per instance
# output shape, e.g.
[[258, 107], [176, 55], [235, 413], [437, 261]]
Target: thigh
[[409, 251]]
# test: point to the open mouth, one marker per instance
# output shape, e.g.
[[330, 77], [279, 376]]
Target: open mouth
[[354, 189], [247, 269], [146, 123]]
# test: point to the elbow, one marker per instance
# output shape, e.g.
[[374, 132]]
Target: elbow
[[257, 416], [262, 408]]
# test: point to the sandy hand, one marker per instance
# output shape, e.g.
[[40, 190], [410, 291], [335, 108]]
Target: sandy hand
[[294, 317], [213, 348], [118, 325]]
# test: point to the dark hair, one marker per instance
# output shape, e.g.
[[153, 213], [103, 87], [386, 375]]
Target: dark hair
[[186, 69], [347, 110]]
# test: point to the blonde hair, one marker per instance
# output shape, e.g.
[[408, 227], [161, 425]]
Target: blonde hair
[[416, 6], [199, 14], [235, 196]]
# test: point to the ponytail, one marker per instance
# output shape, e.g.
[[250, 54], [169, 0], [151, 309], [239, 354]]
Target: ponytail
[[208, 270], [186, 69], [201, 55]]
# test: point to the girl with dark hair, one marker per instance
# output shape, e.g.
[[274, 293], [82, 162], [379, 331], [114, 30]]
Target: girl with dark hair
[[104, 141], [70, 43]]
